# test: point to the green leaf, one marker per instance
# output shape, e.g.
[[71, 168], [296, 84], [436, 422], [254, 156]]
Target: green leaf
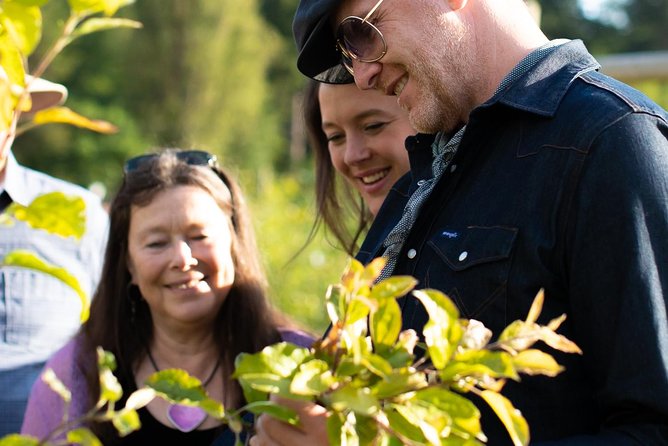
[[277, 411], [94, 25], [536, 362], [464, 415], [511, 418], [19, 440], [376, 364], [83, 436], [386, 322], [65, 115], [23, 25], [404, 426], [87, 7], [313, 378], [55, 384], [357, 310], [335, 433], [399, 382], [105, 359], [282, 359], [126, 422], [372, 270], [480, 364], [177, 386], [393, 287], [359, 400], [443, 331], [55, 213], [26, 259]]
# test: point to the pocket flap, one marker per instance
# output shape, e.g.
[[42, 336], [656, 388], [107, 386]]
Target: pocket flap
[[462, 248]]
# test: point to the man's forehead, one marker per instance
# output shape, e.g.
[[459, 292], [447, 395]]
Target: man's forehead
[[347, 8]]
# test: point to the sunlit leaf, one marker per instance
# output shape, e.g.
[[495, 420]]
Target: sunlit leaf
[[476, 336], [480, 363], [177, 386], [536, 362], [277, 411], [64, 115], [312, 378], [335, 433], [443, 331], [26, 259], [102, 24], [360, 400], [23, 24], [109, 7], [351, 275], [55, 213], [558, 341], [110, 389], [55, 384], [372, 270], [19, 440], [405, 426], [140, 398], [464, 415], [511, 418], [393, 287], [376, 364], [398, 382], [83, 437], [385, 323], [126, 422], [536, 307]]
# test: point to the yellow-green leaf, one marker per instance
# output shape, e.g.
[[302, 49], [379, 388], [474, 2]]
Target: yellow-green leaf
[[536, 307], [55, 213], [19, 440], [372, 270], [512, 419], [536, 362], [360, 400], [83, 437], [55, 384], [312, 378], [393, 287], [110, 388], [443, 331], [23, 25], [64, 115], [102, 24], [27, 259], [86, 7], [275, 410], [126, 422], [385, 322]]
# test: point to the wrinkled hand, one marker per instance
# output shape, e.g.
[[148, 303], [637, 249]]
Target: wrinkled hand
[[311, 431]]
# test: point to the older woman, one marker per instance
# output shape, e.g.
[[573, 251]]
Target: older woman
[[359, 134], [181, 288]]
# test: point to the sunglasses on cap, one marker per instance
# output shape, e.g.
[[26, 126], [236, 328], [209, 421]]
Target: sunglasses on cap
[[358, 39], [192, 158]]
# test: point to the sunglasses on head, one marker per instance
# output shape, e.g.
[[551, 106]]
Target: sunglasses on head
[[192, 158], [358, 39]]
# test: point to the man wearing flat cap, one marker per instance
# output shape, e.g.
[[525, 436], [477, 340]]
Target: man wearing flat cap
[[532, 170], [39, 313]]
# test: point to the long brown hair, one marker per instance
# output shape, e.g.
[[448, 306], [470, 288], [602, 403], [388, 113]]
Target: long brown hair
[[245, 322], [337, 202]]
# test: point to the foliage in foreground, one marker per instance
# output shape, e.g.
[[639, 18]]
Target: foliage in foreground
[[380, 385]]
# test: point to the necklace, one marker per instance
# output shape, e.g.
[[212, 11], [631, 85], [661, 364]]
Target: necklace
[[185, 418]]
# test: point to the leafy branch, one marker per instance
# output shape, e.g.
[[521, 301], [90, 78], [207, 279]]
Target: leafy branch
[[380, 385]]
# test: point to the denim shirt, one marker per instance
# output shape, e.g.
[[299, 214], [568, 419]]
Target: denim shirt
[[39, 313], [560, 182]]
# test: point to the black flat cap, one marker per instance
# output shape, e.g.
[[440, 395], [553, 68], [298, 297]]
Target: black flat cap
[[318, 57]]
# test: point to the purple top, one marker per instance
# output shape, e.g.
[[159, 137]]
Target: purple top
[[45, 408]]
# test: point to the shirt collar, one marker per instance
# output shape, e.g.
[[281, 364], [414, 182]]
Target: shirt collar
[[540, 88], [17, 183]]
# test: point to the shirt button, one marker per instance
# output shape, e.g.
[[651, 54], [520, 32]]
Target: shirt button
[[453, 168], [411, 253], [463, 256]]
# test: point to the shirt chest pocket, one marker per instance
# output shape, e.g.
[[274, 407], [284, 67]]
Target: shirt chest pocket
[[471, 265]]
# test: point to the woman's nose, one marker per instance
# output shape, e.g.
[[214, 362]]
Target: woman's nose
[[357, 150], [183, 257]]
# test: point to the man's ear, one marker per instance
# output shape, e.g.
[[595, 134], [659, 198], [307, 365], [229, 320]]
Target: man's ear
[[457, 4]]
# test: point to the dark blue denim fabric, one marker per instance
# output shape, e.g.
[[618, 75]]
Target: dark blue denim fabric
[[561, 183]]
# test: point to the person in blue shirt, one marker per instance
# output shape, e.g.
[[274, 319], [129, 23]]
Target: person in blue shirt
[[531, 170], [39, 313]]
